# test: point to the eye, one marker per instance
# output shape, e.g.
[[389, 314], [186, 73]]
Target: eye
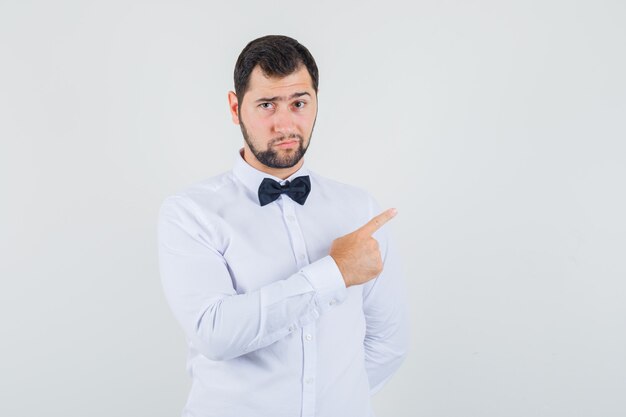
[[265, 105], [300, 104]]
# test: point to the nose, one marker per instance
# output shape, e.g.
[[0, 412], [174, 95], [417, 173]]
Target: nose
[[283, 122]]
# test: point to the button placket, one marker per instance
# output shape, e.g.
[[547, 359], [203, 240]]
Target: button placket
[[308, 377], [309, 348], [295, 233]]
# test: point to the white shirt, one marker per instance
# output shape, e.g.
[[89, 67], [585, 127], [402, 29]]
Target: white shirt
[[272, 329]]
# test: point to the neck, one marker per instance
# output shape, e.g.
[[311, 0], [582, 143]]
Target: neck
[[281, 173]]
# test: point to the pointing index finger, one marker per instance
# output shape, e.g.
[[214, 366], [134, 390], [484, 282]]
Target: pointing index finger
[[378, 221]]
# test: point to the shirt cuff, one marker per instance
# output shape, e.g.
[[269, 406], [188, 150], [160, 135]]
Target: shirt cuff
[[324, 275]]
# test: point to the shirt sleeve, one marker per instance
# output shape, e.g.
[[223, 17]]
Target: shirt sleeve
[[220, 323], [385, 307]]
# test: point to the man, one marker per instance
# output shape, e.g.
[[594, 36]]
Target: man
[[285, 282]]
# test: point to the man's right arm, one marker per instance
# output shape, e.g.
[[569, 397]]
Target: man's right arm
[[221, 323]]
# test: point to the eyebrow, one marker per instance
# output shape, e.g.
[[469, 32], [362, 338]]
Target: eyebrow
[[282, 98]]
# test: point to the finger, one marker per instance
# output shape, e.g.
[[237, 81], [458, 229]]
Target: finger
[[378, 221]]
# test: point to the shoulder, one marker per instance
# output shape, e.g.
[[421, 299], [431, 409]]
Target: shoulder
[[340, 191], [200, 196]]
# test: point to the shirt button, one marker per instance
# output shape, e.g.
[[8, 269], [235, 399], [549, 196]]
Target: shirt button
[[309, 380], [332, 302], [290, 218], [308, 337], [302, 257], [292, 328]]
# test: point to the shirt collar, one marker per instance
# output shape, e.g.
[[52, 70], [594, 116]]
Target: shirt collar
[[252, 177]]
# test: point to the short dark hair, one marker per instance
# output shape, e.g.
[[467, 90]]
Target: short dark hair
[[278, 56]]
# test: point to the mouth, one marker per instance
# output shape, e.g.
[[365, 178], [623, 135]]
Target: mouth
[[287, 143]]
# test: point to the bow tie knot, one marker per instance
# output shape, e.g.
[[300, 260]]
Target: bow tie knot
[[298, 189]]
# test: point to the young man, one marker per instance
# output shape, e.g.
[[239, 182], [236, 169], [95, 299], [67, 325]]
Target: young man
[[285, 282]]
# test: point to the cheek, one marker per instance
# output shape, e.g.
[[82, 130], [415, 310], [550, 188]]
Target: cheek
[[262, 127], [254, 121], [308, 122]]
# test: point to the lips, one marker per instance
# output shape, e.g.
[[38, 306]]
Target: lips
[[287, 142]]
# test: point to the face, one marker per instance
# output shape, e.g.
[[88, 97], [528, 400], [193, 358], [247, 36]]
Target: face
[[277, 117]]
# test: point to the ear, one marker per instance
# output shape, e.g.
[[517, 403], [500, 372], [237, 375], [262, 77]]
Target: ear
[[233, 105]]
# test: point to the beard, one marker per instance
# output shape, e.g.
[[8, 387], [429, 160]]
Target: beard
[[274, 158]]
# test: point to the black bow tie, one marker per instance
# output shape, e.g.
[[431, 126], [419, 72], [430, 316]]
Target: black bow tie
[[298, 189]]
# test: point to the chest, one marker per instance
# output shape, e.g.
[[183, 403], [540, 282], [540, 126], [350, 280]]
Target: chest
[[272, 245]]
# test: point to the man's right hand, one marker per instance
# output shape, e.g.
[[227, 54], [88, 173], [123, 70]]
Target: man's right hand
[[357, 254]]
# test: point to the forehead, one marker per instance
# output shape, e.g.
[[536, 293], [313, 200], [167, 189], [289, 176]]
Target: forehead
[[260, 85]]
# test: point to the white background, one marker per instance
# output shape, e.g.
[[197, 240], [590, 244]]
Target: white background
[[496, 128]]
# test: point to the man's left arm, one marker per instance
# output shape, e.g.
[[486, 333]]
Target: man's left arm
[[386, 313]]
